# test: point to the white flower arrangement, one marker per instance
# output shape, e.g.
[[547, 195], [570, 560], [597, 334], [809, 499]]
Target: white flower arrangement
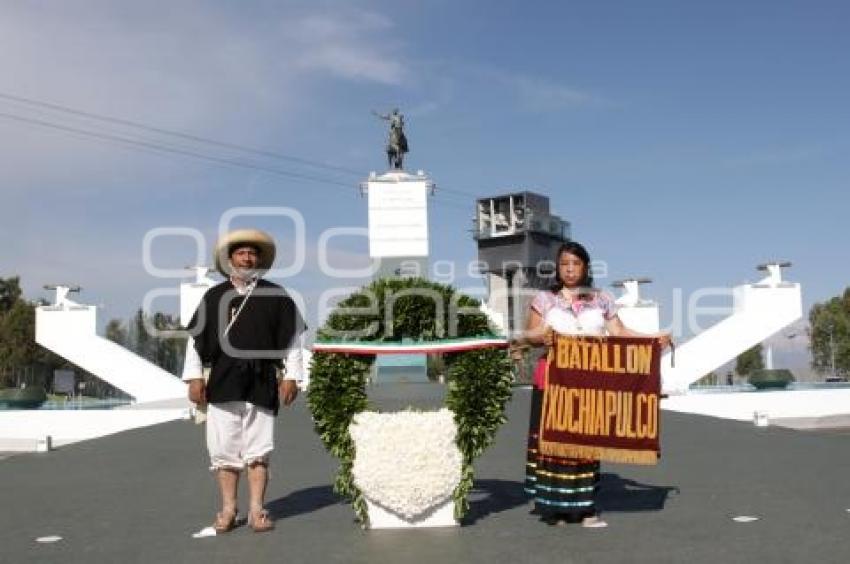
[[408, 461]]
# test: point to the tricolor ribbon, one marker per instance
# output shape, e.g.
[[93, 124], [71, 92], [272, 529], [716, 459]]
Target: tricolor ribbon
[[395, 347]]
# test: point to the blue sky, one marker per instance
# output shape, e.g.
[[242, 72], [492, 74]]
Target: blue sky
[[684, 141]]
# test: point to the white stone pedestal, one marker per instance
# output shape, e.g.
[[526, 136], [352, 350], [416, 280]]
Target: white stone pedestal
[[398, 222], [441, 516]]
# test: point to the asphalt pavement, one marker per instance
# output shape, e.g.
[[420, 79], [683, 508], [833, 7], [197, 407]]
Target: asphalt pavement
[[138, 496]]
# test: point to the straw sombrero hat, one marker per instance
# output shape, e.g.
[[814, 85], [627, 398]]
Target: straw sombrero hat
[[261, 240]]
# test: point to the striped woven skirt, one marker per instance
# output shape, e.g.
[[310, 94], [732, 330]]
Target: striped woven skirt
[[558, 485]]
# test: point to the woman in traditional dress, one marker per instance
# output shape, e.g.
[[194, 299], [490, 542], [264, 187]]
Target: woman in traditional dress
[[564, 489]]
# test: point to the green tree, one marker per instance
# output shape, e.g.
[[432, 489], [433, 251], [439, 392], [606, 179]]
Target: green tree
[[116, 332], [829, 333], [709, 379], [17, 326], [146, 340], [17, 336], [141, 341], [169, 351], [19, 354], [749, 361], [10, 292]]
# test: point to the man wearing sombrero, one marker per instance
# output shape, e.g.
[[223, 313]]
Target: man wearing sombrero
[[246, 331]]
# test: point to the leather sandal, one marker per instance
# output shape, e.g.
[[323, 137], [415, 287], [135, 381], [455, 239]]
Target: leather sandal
[[593, 522], [225, 521], [260, 521]]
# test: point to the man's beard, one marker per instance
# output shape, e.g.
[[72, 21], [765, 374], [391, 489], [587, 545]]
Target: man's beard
[[246, 275]]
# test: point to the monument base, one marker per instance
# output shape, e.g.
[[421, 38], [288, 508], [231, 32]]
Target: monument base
[[400, 368], [440, 516]]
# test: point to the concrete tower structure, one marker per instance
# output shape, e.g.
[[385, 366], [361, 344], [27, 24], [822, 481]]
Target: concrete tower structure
[[517, 237]]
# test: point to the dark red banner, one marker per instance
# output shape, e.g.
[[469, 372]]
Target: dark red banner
[[601, 399]]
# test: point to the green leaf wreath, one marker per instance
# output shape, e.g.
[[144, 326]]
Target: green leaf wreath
[[479, 381]]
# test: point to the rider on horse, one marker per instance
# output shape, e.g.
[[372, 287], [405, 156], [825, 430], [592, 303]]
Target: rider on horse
[[397, 142]]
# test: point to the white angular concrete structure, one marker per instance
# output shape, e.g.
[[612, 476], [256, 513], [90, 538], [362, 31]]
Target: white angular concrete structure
[[69, 330], [759, 311], [192, 292], [635, 312]]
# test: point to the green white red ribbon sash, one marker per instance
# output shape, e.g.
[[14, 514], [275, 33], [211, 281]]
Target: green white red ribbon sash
[[429, 347]]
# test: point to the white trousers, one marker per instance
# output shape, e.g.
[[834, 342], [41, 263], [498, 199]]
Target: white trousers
[[239, 434]]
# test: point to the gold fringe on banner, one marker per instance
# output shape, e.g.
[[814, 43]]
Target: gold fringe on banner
[[605, 454]]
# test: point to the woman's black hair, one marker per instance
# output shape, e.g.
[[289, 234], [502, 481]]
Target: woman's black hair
[[576, 249]]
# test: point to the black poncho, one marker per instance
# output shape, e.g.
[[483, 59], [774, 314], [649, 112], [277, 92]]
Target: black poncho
[[243, 364]]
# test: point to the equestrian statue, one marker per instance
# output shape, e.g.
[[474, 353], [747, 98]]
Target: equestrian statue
[[397, 142]]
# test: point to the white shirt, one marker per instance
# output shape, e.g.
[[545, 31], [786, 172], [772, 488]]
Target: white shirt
[[589, 321]]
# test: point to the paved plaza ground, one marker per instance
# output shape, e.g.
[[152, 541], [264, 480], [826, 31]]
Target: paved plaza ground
[[138, 496]]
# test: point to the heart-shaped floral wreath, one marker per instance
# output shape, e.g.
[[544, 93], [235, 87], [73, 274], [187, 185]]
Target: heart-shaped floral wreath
[[388, 311]]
